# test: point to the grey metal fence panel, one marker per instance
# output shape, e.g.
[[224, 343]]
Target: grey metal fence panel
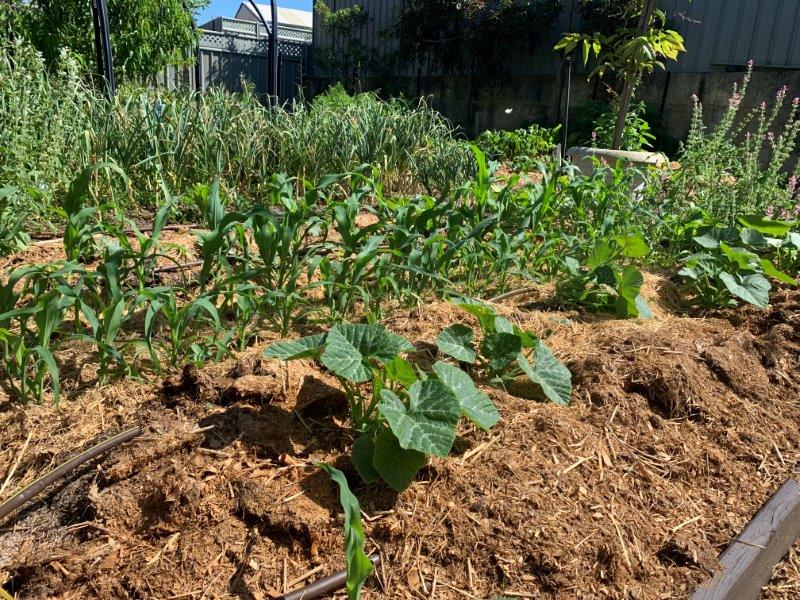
[[718, 33], [233, 51]]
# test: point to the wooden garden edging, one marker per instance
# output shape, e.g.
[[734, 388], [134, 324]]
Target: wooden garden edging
[[747, 564]]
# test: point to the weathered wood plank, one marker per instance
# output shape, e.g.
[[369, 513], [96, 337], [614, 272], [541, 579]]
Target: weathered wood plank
[[747, 564]]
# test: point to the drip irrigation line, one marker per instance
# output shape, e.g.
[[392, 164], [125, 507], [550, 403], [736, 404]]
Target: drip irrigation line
[[178, 267], [512, 293], [192, 264], [38, 486], [324, 586], [49, 237]]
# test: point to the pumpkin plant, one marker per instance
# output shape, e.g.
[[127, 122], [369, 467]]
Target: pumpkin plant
[[505, 353], [400, 415]]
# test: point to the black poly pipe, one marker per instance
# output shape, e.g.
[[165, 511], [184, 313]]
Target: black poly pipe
[[324, 586], [273, 40], [38, 486]]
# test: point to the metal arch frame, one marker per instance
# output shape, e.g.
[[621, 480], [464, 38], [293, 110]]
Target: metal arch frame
[[273, 47], [105, 54], [102, 45]]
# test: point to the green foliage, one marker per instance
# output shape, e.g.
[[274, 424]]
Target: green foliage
[[727, 265], [520, 148], [636, 135], [345, 58], [475, 36], [359, 567], [505, 353], [13, 219], [52, 125], [602, 282], [402, 414], [741, 165], [627, 52], [146, 35]]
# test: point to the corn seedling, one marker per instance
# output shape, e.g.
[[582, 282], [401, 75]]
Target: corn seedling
[[359, 567]]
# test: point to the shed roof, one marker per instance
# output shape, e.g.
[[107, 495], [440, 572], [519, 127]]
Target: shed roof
[[286, 16]]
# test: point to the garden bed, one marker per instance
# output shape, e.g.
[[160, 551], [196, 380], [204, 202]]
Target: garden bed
[[679, 429]]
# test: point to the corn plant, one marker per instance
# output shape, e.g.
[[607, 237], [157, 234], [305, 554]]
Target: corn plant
[[138, 253], [178, 319], [33, 308], [359, 567], [81, 226], [401, 415], [28, 367]]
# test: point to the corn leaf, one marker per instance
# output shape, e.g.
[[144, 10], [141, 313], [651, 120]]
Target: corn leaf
[[359, 566]]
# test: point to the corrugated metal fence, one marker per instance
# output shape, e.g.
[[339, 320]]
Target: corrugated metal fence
[[718, 33]]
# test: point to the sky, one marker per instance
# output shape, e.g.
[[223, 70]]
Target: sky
[[228, 8]]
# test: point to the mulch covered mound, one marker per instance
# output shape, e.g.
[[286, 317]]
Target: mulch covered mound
[[680, 428]]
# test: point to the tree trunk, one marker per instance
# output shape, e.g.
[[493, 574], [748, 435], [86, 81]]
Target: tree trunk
[[622, 114], [627, 87]]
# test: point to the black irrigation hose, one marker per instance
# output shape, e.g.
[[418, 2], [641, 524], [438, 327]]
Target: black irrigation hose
[[513, 293], [38, 486], [47, 236], [324, 586]]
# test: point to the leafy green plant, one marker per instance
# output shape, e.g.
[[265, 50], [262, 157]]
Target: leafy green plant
[[81, 225], [12, 221], [359, 566], [740, 165], [32, 310], [521, 148], [603, 283], [505, 353], [28, 368], [636, 135], [399, 413], [728, 269], [139, 52], [178, 317], [628, 52]]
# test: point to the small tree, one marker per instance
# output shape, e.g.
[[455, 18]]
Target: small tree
[[146, 35], [345, 59], [628, 53]]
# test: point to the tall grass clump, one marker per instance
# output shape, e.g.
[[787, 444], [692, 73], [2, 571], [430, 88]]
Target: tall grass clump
[[54, 123], [44, 118], [740, 165]]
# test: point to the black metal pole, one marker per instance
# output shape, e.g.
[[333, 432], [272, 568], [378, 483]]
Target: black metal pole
[[566, 111], [102, 46], [272, 30], [273, 51]]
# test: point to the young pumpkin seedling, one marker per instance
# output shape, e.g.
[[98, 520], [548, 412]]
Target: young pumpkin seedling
[[399, 413], [505, 353]]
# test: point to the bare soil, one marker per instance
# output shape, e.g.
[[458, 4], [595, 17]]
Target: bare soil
[[679, 429]]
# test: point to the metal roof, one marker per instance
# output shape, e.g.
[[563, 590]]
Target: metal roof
[[286, 16]]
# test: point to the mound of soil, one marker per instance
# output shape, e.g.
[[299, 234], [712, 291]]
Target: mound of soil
[[680, 428]]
